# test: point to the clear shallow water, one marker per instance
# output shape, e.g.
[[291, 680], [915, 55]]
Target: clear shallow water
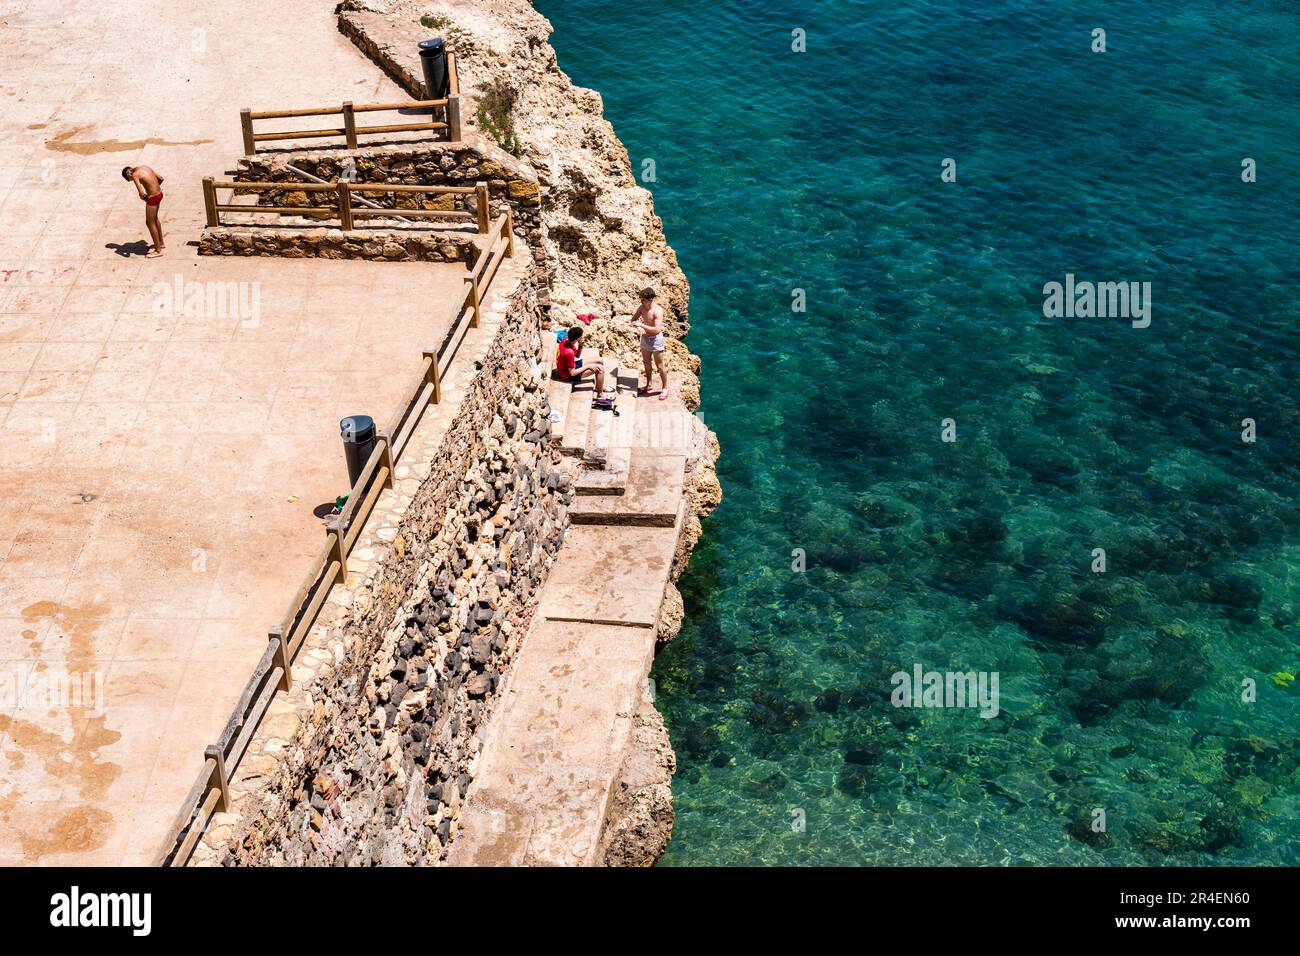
[[820, 171]]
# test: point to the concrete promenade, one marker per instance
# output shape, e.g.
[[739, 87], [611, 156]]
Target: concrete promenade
[[163, 456]]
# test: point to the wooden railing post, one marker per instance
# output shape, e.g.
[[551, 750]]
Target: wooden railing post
[[281, 658], [453, 118], [435, 377], [384, 444], [218, 778], [246, 121], [350, 125], [481, 204], [345, 206], [473, 298], [210, 202], [510, 232], [335, 533]]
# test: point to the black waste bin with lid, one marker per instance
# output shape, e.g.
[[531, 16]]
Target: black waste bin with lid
[[433, 59], [358, 444]]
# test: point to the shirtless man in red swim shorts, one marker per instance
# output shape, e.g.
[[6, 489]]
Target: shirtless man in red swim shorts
[[149, 185]]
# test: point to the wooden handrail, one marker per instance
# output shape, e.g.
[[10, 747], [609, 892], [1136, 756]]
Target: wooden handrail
[[330, 574], [410, 214], [345, 206], [400, 127], [350, 131], [257, 710], [363, 108], [301, 134], [290, 618], [428, 394], [401, 188], [210, 791], [360, 485], [414, 104], [319, 211], [239, 717], [369, 499], [196, 826], [258, 187], [346, 213]]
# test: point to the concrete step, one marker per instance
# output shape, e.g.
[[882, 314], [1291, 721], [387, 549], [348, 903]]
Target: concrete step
[[578, 418], [558, 395], [554, 747], [610, 480], [651, 499], [609, 431], [608, 475], [608, 575], [663, 427], [596, 450]]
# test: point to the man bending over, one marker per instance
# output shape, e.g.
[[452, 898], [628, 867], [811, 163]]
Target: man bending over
[[149, 185]]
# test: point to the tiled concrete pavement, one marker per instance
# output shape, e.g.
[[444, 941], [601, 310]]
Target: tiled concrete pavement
[[161, 465]]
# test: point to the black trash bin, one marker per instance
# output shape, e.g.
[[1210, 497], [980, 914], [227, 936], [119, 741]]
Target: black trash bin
[[433, 58], [358, 443]]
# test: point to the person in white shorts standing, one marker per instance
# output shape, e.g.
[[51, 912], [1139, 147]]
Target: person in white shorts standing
[[648, 320]]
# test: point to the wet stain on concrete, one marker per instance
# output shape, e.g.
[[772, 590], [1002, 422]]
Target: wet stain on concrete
[[79, 624], [77, 830], [85, 827], [64, 143]]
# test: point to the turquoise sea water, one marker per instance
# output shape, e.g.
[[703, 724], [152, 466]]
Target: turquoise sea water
[[1119, 691]]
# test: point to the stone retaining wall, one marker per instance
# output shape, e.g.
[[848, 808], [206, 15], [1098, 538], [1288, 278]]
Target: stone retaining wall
[[317, 243], [509, 181], [377, 747]]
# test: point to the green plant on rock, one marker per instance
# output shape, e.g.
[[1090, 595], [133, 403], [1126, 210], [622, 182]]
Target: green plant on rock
[[443, 25], [496, 107]]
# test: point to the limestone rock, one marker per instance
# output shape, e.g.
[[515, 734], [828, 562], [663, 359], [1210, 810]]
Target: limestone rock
[[671, 614], [640, 819]]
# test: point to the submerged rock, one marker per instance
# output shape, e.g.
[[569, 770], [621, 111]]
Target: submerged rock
[[1219, 830], [864, 752]]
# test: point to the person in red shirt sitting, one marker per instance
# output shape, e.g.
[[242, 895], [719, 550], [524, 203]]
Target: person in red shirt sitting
[[569, 366]]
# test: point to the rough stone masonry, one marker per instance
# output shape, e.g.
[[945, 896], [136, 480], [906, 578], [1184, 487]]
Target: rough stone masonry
[[376, 773]]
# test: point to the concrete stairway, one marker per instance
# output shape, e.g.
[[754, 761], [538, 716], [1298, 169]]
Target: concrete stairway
[[582, 430], [555, 746], [650, 496]]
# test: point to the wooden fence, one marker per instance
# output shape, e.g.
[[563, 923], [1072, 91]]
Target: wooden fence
[[344, 210], [210, 792], [349, 129]]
